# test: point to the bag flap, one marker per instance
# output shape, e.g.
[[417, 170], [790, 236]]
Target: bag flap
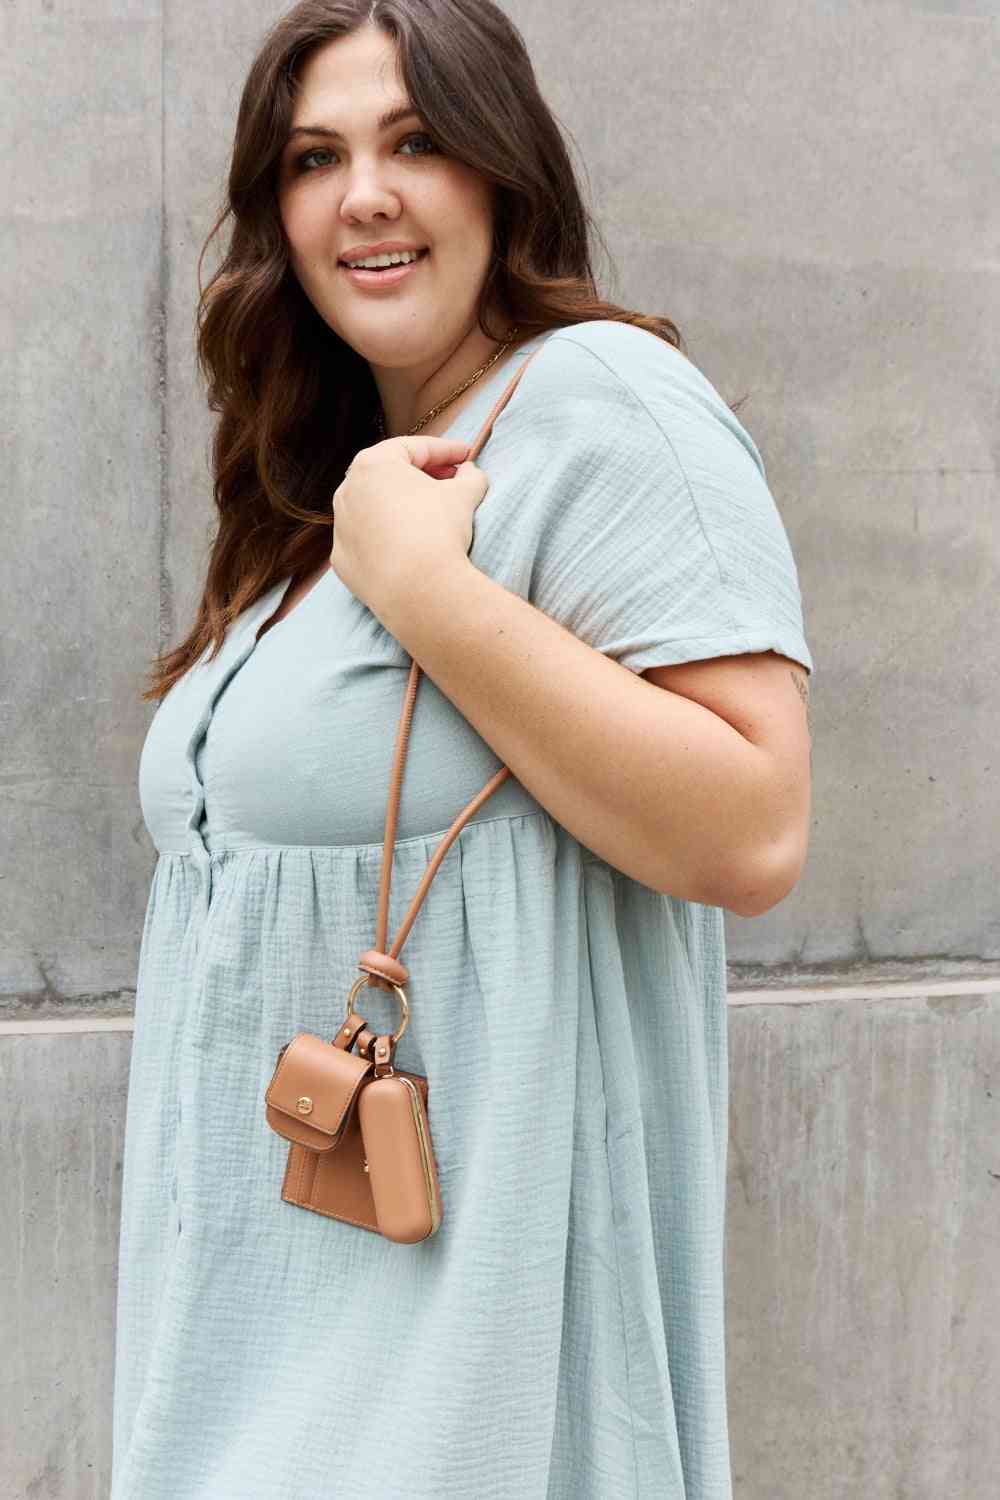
[[313, 1090]]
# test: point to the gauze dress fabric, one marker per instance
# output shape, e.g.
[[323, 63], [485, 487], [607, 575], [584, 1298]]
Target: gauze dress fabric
[[562, 1334]]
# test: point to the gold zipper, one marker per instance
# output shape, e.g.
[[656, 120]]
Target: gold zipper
[[418, 1117]]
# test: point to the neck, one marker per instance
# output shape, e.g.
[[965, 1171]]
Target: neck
[[409, 394]]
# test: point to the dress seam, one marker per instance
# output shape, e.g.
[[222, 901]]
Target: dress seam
[[668, 442], [621, 1310], [616, 1236], [416, 838]]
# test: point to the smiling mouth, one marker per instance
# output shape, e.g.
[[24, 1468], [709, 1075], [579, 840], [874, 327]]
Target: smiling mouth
[[378, 270]]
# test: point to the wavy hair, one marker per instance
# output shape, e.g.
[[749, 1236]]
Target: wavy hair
[[295, 401]]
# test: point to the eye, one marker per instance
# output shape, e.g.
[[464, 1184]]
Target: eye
[[421, 136], [300, 164]]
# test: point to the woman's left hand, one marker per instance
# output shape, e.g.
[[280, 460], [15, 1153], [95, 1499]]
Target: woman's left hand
[[396, 525]]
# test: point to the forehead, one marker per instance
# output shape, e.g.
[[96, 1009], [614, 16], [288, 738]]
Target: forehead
[[349, 79]]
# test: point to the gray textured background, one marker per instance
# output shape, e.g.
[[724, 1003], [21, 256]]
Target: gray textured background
[[810, 191]]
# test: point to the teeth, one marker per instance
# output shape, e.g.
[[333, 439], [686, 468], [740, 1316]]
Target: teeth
[[396, 258]]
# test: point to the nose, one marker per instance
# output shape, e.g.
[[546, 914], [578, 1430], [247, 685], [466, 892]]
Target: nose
[[366, 195]]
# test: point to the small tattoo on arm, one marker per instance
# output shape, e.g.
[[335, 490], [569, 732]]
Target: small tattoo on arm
[[802, 688]]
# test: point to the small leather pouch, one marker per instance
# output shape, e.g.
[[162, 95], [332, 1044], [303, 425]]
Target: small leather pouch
[[313, 1091], [395, 1133]]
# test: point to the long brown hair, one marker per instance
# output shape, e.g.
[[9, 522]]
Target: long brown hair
[[295, 401]]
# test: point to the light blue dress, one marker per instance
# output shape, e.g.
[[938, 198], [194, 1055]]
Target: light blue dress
[[561, 1337]]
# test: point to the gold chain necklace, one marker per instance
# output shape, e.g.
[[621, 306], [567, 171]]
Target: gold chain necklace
[[380, 418]]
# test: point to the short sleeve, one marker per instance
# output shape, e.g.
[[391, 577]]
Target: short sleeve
[[632, 506]]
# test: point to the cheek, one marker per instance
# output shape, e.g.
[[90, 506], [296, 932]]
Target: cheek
[[461, 207], [302, 231], [463, 244], [305, 228]]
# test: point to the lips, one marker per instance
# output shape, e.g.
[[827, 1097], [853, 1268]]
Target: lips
[[420, 255]]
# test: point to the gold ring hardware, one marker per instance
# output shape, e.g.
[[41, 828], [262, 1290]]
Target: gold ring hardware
[[304, 1105], [400, 995]]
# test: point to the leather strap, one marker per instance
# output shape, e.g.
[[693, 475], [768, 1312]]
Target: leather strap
[[380, 963]]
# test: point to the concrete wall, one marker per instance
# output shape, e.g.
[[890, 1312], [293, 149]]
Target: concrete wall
[[810, 192]]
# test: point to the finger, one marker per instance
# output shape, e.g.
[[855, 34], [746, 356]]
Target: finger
[[472, 479], [420, 449]]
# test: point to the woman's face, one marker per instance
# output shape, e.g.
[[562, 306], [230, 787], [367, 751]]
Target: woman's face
[[364, 185]]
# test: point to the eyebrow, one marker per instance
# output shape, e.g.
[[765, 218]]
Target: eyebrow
[[385, 122]]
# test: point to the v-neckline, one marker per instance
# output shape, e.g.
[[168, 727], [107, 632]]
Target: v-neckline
[[258, 636], [475, 410]]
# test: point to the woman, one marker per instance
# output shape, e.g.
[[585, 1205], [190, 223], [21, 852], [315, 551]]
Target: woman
[[561, 1334]]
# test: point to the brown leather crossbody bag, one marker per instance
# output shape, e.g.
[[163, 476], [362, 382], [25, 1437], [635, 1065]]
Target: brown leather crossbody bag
[[360, 1140]]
